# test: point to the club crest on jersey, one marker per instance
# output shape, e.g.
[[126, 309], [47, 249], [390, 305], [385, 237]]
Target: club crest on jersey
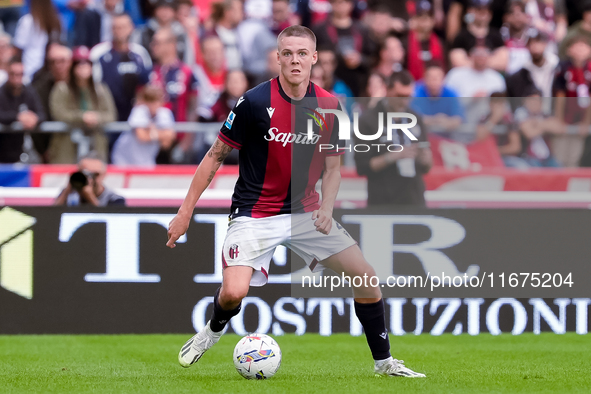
[[233, 252], [230, 120], [317, 116]]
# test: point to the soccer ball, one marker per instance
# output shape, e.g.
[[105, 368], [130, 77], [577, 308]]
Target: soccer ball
[[257, 356]]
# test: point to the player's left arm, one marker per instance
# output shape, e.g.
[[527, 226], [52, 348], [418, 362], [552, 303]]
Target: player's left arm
[[331, 180]]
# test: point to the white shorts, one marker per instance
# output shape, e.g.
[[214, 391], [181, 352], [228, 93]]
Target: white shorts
[[251, 242]]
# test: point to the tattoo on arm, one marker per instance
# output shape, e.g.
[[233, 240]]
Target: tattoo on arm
[[210, 178], [219, 151]]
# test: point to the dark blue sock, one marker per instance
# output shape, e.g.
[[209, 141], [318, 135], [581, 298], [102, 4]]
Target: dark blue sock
[[221, 317], [373, 320]]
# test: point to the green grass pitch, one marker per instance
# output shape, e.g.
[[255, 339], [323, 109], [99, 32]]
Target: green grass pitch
[[311, 364]]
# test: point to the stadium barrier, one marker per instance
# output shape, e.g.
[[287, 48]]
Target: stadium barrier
[[108, 271]]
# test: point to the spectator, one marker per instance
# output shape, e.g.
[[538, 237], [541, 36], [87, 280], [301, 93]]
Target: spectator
[[121, 65], [81, 103], [422, 43], [549, 17], [59, 61], [438, 105], [255, 41], [376, 89], [18, 103], [395, 178], [164, 18], [460, 14], [10, 12], [227, 15], [86, 186], [283, 16], [6, 53], [515, 35], [108, 9], [391, 56], [509, 141], [381, 23], [86, 30], [404, 11], [536, 129], [317, 76], [572, 103], [33, 32], [313, 12], [212, 73], [272, 67], [477, 80], [235, 86], [579, 29], [174, 77], [538, 71], [350, 41], [478, 32], [187, 16], [328, 61], [152, 129]]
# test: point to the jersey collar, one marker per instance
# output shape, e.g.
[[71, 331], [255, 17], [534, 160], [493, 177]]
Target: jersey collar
[[309, 93]]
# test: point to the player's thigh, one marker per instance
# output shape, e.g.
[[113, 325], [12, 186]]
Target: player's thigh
[[251, 243], [350, 262], [314, 247]]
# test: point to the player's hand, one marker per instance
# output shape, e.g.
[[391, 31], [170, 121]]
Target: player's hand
[[177, 227], [323, 220]]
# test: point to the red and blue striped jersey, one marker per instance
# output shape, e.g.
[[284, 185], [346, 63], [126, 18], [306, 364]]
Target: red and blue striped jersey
[[279, 165]]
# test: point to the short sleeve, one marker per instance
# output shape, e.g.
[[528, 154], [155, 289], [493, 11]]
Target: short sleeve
[[165, 119], [139, 118], [337, 143], [236, 124]]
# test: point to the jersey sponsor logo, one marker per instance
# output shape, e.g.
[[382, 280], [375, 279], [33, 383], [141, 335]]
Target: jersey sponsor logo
[[233, 252], [270, 111], [287, 138], [175, 88], [127, 68], [240, 100], [230, 120]]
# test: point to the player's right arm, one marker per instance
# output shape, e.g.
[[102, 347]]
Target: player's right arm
[[201, 180]]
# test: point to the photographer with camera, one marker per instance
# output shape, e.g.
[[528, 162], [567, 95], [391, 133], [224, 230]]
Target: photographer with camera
[[86, 186]]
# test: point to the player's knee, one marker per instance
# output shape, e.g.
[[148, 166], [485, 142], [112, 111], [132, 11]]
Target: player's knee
[[232, 296]]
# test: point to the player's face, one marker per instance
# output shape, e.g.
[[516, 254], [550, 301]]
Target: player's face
[[296, 55]]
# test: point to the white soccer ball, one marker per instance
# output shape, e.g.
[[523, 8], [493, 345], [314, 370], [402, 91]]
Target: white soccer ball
[[257, 356]]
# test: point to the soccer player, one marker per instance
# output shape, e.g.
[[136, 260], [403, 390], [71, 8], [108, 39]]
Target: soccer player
[[275, 202]]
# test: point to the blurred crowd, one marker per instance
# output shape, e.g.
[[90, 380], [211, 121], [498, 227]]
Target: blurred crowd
[[515, 71]]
